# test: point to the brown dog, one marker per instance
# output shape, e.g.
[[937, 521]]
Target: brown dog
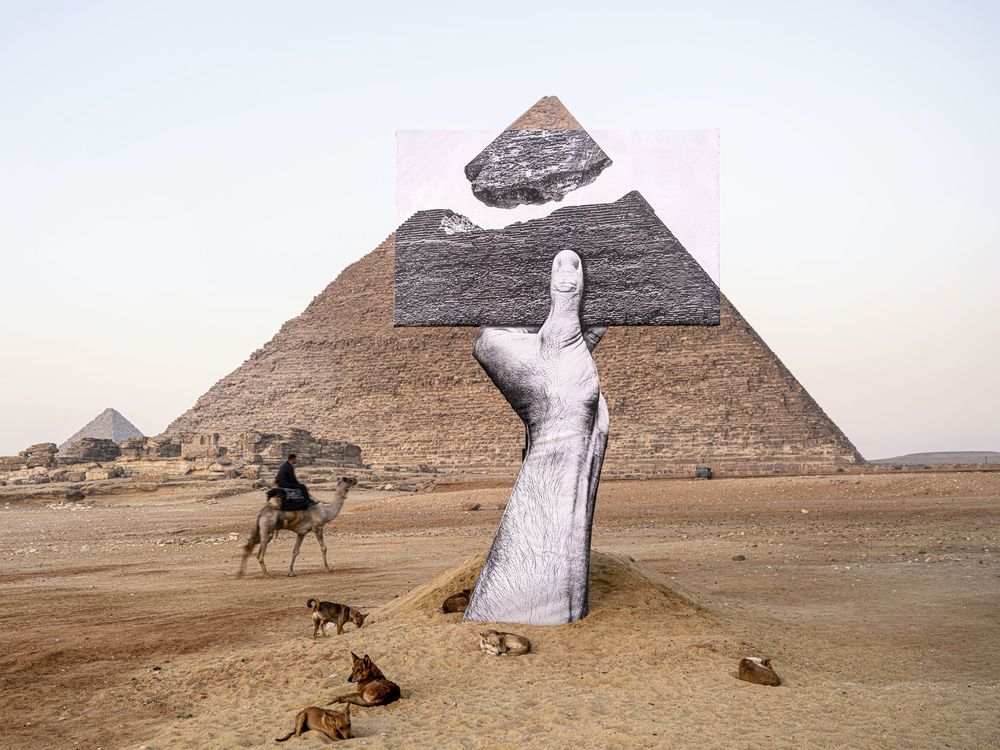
[[373, 688], [324, 613], [457, 602], [758, 671], [334, 724]]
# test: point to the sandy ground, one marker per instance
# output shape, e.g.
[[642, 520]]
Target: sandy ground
[[877, 597]]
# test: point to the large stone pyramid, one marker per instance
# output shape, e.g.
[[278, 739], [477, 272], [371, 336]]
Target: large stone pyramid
[[679, 396], [109, 425]]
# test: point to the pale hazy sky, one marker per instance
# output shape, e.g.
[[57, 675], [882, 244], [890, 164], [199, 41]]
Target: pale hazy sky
[[179, 178]]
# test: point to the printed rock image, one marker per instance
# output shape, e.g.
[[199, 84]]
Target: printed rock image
[[541, 157]]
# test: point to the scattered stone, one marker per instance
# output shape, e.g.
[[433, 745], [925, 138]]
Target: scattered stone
[[75, 496], [39, 455], [468, 507], [93, 449], [96, 475], [637, 272], [758, 671], [739, 558]]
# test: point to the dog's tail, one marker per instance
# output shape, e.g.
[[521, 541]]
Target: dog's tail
[[252, 542], [313, 604], [286, 737]]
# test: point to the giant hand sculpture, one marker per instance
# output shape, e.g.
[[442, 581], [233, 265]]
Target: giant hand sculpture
[[536, 570]]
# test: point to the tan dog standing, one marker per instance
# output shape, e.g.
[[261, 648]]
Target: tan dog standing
[[324, 613]]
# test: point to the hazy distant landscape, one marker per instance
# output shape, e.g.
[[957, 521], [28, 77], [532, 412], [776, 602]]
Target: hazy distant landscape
[[941, 457]]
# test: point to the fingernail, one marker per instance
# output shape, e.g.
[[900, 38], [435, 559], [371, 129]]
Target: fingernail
[[567, 260]]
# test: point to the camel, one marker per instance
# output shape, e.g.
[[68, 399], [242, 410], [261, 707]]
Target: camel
[[270, 520]]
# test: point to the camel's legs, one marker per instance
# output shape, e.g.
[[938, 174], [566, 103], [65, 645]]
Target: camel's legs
[[322, 546], [265, 538], [295, 553]]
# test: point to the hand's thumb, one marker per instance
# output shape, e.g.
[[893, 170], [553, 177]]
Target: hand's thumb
[[566, 289]]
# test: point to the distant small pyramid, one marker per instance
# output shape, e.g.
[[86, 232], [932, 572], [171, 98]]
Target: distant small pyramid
[[109, 424]]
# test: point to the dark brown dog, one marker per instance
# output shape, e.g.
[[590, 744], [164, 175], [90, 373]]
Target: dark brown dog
[[373, 688], [340, 614], [334, 724], [457, 602]]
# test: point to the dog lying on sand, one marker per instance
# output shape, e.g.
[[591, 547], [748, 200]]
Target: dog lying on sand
[[324, 613], [457, 602], [758, 671], [373, 687], [334, 724], [499, 644]]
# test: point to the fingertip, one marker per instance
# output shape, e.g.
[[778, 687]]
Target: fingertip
[[565, 260], [567, 272]]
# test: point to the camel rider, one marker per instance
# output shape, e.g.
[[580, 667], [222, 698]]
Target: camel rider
[[287, 480]]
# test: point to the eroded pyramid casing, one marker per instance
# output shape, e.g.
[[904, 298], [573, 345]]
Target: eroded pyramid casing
[[679, 396]]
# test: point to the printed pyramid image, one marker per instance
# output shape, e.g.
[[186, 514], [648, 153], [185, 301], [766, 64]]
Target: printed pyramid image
[[109, 424], [680, 396]]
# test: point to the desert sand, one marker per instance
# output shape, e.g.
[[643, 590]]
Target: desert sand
[[876, 596]]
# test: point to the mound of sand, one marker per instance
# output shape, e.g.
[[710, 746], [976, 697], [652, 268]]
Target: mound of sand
[[618, 584], [453, 694]]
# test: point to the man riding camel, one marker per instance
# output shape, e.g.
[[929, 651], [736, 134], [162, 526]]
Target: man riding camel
[[296, 495]]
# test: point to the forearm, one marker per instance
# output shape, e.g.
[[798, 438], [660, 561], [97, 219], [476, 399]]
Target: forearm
[[536, 571]]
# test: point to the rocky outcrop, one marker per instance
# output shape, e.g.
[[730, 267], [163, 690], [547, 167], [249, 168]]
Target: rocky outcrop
[[204, 445], [271, 448], [39, 455], [93, 449], [680, 397], [109, 425], [637, 272], [139, 448]]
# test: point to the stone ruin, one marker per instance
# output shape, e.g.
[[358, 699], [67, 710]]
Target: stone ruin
[[92, 449], [175, 457]]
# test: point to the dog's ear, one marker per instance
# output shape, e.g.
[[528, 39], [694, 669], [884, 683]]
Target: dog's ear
[[347, 710], [482, 634], [355, 656], [367, 659]]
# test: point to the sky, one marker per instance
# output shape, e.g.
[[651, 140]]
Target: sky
[[178, 179]]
